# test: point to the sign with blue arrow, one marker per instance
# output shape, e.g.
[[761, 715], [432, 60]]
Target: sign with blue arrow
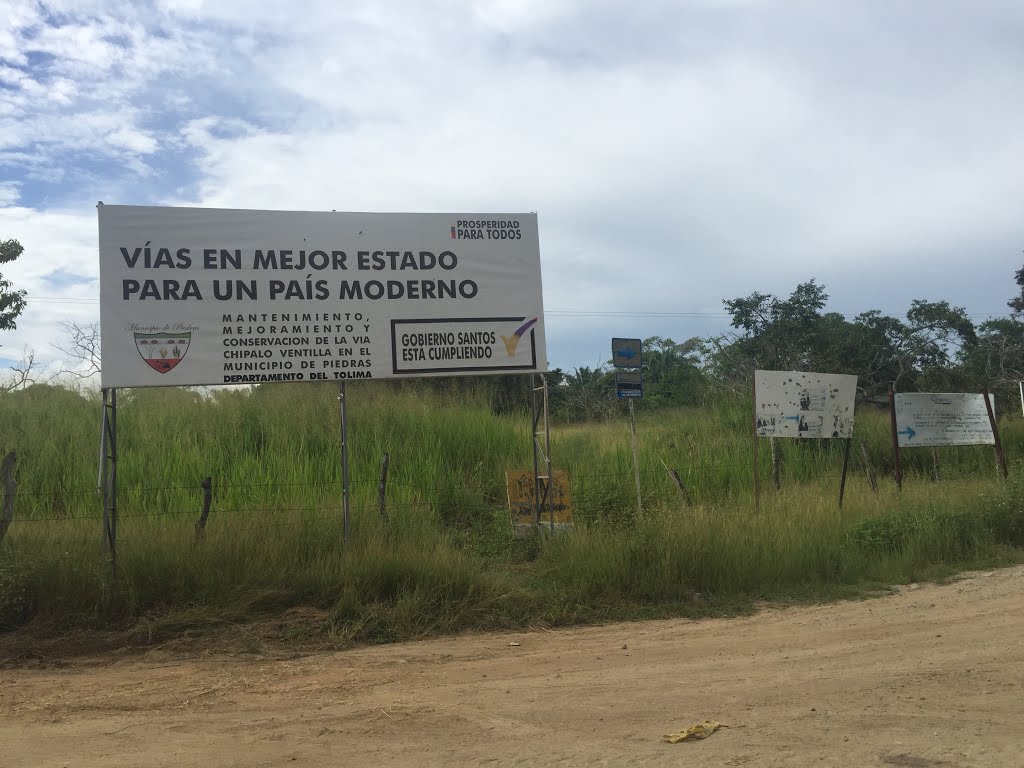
[[929, 419], [909, 432], [626, 353], [804, 404]]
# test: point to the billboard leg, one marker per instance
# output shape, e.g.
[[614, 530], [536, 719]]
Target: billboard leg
[[895, 440], [998, 444], [108, 475], [541, 450], [757, 468], [846, 463], [343, 406]]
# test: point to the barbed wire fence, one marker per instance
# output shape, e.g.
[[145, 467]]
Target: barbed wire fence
[[192, 500], [306, 502]]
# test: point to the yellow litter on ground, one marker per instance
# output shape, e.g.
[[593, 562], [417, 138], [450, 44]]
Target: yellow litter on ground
[[695, 732]]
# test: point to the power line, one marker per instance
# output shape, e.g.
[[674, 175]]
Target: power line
[[562, 312]]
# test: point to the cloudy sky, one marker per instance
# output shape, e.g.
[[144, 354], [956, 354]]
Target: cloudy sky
[[677, 153]]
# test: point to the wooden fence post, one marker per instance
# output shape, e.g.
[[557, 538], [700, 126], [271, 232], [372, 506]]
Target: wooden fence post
[[207, 486], [868, 469], [898, 467], [682, 488], [1000, 456], [776, 463], [382, 486], [10, 486]]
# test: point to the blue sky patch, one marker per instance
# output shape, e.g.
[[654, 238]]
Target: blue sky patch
[[60, 279]]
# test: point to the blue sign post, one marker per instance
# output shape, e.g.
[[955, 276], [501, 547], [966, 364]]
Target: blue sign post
[[628, 354]]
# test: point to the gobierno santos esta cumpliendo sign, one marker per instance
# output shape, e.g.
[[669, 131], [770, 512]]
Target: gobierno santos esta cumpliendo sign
[[194, 296]]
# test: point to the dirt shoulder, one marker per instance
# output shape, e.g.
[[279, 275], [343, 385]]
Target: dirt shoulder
[[931, 676]]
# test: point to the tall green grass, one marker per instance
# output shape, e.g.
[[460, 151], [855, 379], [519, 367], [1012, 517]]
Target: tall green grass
[[448, 558]]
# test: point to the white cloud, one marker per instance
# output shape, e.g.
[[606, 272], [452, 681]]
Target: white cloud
[[677, 153], [8, 193], [133, 140], [52, 241]]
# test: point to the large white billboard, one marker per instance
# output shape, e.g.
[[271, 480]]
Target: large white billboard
[[193, 296], [935, 419], [804, 404]]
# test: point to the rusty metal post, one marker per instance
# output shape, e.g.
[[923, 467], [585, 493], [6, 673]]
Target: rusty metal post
[[757, 477], [846, 463], [895, 439], [10, 486], [1000, 456], [345, 490]]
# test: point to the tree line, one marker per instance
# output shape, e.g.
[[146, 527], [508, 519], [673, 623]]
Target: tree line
[[933, 347]]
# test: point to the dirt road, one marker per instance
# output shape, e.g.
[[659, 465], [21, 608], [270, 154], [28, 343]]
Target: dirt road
[[931, 676]]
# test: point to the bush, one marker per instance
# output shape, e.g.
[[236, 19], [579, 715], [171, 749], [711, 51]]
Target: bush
[[16, 590]]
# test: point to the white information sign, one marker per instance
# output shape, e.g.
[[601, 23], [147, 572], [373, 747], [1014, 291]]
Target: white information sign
[[935, 419], [194, 296], [804, 404]]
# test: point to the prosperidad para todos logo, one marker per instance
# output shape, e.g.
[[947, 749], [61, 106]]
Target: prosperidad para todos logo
[[486, 229]]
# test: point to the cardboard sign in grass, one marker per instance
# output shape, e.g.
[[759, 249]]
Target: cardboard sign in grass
[[522, 495], [804, 404], [194, 296]]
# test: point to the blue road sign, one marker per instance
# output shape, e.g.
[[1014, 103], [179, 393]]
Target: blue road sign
[[626, 353], [629, 385]]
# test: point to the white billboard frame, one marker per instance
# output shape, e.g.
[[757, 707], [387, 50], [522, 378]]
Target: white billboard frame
[[210, 296], [804, 404], [495, 304], [943, 419], [800, 402], [903, 438]]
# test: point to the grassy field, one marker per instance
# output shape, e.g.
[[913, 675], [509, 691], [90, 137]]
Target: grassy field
[[448, 558]]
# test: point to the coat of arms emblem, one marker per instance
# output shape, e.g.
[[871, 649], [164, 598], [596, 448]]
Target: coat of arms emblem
[[162, 351]]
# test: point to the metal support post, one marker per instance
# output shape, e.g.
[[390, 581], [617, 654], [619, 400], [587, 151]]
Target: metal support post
[[344, 457], [636, 461], [998, 444], [895, 440], [541, 450], [547, 457], [108, 475], [846, 464], [101, 464], [757, 462]]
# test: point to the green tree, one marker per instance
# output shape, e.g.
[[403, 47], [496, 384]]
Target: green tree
[[772, 334], [1017, 302], [586, 394], [997, 358], [924, 351], [671, 372], [12, 302]]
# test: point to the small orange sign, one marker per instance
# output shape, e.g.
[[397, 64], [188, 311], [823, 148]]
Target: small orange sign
[[522, 492]]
